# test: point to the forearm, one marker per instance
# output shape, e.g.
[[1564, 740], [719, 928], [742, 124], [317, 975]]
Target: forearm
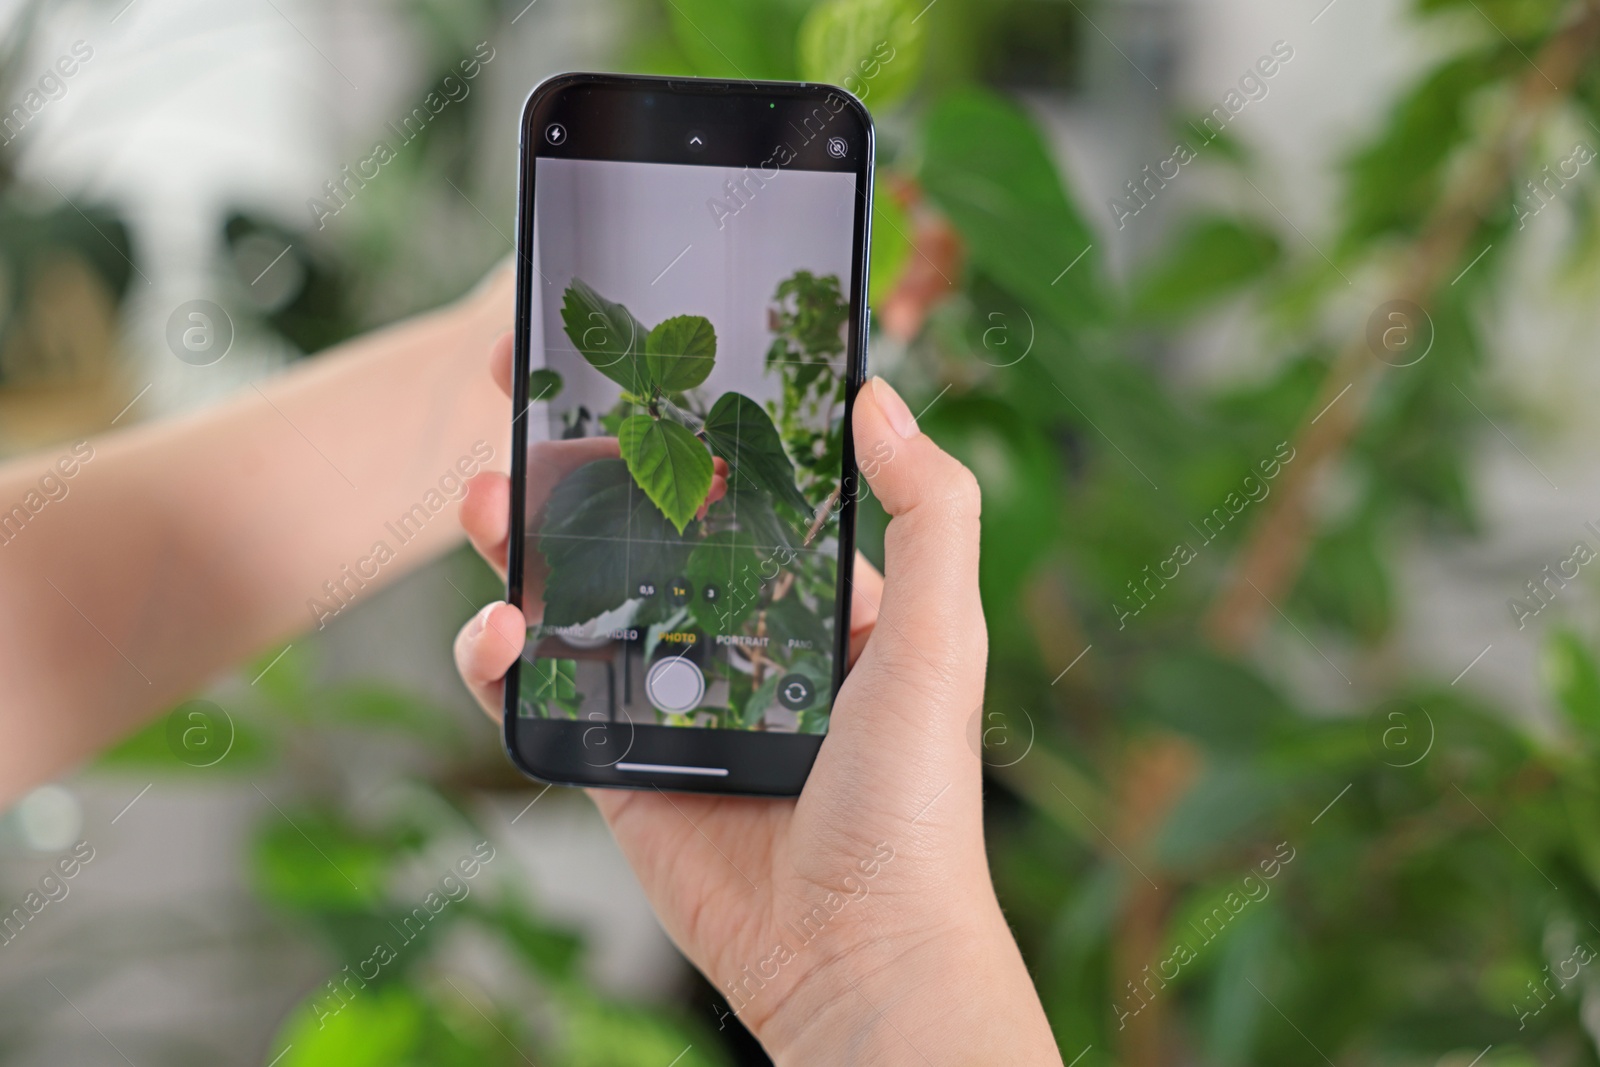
[[958, 995], [186, 546]]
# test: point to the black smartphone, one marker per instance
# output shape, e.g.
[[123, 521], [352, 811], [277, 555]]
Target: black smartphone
[[691, 330]]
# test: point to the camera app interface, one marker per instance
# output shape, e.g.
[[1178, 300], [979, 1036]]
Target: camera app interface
[[686, 418]]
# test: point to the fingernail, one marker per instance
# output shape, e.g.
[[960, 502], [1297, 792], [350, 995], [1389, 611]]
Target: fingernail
[[894, 409], [481, 619]]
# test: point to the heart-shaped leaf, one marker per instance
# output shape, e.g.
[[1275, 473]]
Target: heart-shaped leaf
[[670, 464], [679, 352], [741, 432], [603, 538], [607, 335]]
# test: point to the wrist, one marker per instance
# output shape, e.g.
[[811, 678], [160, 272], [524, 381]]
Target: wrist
[[954, 993]]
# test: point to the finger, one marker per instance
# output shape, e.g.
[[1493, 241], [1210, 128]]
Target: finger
[[719, 486], [486, 648], [922, 671], [486, 517], [866, 589], [500, 360]]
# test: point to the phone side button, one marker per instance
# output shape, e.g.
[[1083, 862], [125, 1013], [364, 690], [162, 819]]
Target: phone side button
[[668, 768]]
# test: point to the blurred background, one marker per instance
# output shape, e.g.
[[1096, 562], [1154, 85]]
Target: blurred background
[[1268, 329]]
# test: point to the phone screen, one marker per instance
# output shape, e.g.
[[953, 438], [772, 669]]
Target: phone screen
[[691, 358]]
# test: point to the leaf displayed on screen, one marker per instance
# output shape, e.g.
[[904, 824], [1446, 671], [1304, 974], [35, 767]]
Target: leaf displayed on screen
[[553, 685], [679, 353], [727, 563], [755, 709], [670, 464], [543, 384], [607, 335], [741, 432], [602, 538]]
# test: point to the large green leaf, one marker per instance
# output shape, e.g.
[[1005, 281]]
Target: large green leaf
[[873, 48], [989, 168], [741, 432], [602, 538], [670, 464], [753, 515], [680, 352], [1211, 259], [728, 562], [607, 335]]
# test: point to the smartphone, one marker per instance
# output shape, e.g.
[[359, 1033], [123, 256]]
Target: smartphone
[[691, 327]]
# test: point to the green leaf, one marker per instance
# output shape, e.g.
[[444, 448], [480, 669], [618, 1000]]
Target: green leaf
[[311, 861], [608, 1034], [988, 166], [368, 705], [1217, 701], [553, 687], [607, 335], [728, 561], [601, 537], [670, 464], [741, 432], [207, 744], [872, 48], [789, 619], [553, 952], [1571, 675], [1211, 259], [755, 709], [1346, 581], [1395, 181], [372, 1028], [738, 38], [752, 514], [679, 353], [543, 384]]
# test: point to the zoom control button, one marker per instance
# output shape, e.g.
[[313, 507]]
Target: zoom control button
[[675, 685]]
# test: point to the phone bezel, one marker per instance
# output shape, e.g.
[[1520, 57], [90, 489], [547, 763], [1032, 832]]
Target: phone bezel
[[578, 753]]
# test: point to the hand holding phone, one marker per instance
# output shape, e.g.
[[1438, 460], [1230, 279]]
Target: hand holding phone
[[856, 923]]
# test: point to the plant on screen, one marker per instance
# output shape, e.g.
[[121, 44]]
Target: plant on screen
[[650, 513]]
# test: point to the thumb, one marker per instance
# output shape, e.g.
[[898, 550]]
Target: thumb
[[925, 660]]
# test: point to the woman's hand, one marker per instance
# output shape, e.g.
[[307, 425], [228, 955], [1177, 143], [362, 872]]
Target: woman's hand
[[856, 923]]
